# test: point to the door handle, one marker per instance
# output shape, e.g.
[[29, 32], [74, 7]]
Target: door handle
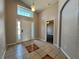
[[22, 30]]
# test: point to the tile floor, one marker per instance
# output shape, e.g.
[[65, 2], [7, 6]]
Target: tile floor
[[34, 49]]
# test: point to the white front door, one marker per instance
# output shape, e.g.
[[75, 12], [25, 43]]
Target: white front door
[[26, 29]]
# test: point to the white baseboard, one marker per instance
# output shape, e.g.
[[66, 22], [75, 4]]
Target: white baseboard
[[17, 42], [56, 45], [11, 44], [68, 57], [14, 43], [36, 38], [4, 54]]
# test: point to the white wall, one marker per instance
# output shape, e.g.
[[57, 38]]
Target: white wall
[[60, 4], [2, 29], [69, 37]]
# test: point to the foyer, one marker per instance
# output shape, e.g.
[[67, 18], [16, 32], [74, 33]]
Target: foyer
[[39, 29]]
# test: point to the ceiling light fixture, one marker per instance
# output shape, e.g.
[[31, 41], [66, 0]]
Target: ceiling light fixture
[[33, 7]]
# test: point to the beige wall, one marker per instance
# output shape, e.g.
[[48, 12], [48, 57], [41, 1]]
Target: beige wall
[[69, 37], [11, 17], [36, 26], [51, 13], [2, 29], [10, 21]]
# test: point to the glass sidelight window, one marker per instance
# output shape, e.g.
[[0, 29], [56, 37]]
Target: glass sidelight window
[[18, 30]]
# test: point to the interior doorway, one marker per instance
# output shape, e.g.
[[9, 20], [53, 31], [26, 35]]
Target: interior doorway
[[50, 31]]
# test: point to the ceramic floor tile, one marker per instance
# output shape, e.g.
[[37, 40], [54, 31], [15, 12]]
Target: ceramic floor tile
[[61, 56], [41, 52], [39, 43], [54, 52], [48, 49], [10, 57], [35, 55], [27, 43], [19, 51], [27, 56], [15, 56], [44, 47]]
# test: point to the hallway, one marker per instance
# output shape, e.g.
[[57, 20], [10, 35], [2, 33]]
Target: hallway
[[33, 49]]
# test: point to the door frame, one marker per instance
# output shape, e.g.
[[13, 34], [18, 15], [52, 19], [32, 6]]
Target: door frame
[[46, 30], [60, 22]]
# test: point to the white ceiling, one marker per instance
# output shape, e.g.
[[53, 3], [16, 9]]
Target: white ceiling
[[40, 4]]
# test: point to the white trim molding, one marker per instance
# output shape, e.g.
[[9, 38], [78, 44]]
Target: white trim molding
[[56, 46], [18, 42], [4, 54], [14, 43], [68, 57]]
